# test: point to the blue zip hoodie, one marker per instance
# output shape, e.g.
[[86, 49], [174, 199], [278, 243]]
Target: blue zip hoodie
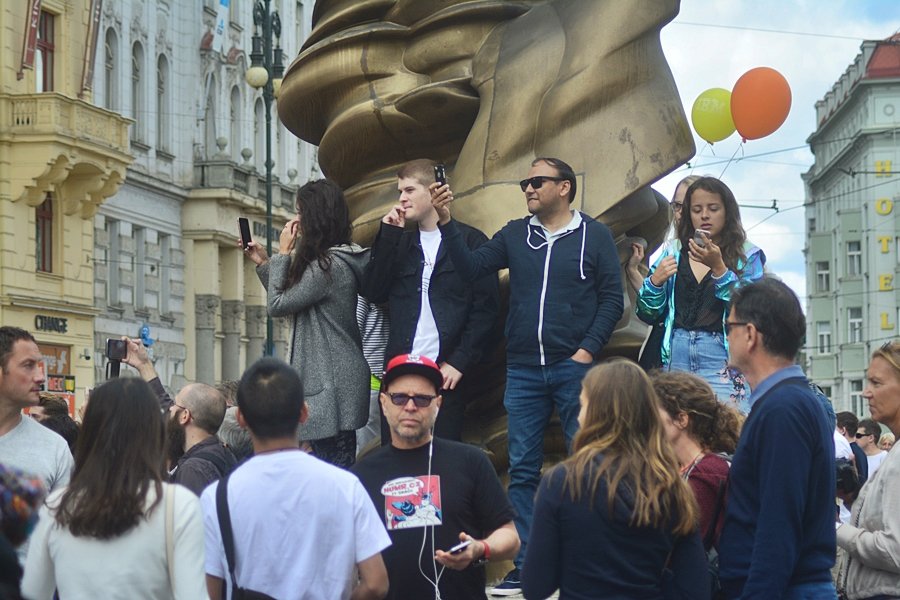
[[565, 291]]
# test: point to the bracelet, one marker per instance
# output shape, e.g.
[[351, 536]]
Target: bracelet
[[487, 551]]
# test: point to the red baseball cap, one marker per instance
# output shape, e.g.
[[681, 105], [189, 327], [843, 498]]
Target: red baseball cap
[[413, 364]]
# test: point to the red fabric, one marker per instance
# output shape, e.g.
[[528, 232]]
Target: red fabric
[[704, 479]]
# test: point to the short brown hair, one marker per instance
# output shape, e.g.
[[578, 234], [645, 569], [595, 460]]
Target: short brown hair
[[421, 169], [53, 405]]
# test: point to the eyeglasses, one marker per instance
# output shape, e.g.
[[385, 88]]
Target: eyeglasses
[[677, 206], [863, 434], [730, 324], [538, 181], [401, 399]]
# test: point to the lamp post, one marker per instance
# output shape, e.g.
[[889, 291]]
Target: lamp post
[[265, 72]]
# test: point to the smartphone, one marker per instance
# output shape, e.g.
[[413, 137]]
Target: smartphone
[[700, 237], [244, 224], [440, 173], [116, 349], [459, 547]]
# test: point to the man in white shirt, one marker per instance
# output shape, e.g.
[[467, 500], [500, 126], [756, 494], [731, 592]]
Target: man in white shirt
[[301, 528]]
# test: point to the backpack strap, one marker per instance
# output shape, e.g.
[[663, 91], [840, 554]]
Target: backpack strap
[[225, 527], [714, 524]]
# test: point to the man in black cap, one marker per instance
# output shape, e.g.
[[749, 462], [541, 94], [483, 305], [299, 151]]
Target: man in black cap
[[434, 493]]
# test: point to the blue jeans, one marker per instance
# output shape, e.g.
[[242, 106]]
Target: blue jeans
[[811, 591], [703, 354], [531, 394]]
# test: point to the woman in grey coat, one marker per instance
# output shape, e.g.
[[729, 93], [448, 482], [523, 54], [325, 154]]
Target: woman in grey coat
[[314, 279]]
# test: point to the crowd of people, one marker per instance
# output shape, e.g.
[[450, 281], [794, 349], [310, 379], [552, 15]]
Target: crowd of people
[[714, 475]]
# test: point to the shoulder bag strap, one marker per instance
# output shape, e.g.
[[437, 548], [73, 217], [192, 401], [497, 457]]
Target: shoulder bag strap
[[225, 527], [170, 533]]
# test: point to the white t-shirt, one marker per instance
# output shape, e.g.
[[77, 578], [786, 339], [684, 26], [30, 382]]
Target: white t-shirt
[[875, 462], [426, 341], [300, 527], [133, 565], [842, 446]]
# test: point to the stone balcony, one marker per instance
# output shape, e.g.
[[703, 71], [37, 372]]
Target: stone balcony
[[50, 142]]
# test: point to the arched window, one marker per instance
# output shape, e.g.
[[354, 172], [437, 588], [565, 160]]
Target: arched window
[[137, 91], [259, 129], [163, 124], [111, 70], [235, 138]]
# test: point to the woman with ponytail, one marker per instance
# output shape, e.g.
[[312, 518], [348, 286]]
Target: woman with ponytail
[[700, 430], [615, 520]]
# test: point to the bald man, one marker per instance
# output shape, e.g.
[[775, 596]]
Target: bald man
[[196, 457]]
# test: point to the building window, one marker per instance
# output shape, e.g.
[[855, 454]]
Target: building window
[[811, 224], [823, 277], [823, 330], [43, 59], [209, 118], [162, 103], [259, 130], [137, 91], [854, 259], [111, 71], [165, 272], [44, 235], [112, 266], [236, 123], [856, 399], [139, 234], [854, 320]]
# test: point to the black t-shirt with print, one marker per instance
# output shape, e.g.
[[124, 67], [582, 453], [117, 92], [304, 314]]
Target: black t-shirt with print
[[463, 494]]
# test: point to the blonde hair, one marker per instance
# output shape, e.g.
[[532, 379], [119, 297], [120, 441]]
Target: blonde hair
[[622, 443]]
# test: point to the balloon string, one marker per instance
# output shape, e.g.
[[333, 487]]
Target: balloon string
[[699, 154], [740, 147]]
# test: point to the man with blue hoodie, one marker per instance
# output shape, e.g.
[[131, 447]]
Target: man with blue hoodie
[[565, 298]]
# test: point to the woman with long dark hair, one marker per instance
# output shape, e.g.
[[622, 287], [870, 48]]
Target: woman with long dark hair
[[691, 284], [615, 516], [313, 280], [118, 531], [700, 430]]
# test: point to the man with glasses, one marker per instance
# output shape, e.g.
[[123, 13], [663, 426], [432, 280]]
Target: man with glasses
[[565, 298], [867, 435], [433, 493], [778, 540]]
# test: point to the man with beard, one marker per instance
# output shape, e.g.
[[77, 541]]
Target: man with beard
[[195, 455]]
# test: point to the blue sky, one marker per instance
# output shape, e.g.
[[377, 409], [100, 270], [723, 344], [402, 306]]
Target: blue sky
[[711, 43]]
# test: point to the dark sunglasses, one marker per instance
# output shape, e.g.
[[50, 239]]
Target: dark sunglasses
[[537, 182], [401, 399], [862, 435]]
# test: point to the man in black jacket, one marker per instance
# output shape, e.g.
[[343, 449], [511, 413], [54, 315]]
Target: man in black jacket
[[433, 312]]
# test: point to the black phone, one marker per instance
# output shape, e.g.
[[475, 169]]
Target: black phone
[[116, 349], [440, 173], [244, 224]]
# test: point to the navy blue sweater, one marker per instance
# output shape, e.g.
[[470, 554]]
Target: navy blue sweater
[[779, 524], [562, 297]]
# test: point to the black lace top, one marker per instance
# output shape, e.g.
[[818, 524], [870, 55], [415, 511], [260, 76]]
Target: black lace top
[[696, 305]]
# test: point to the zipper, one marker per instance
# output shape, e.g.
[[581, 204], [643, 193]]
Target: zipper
[[540, 330]]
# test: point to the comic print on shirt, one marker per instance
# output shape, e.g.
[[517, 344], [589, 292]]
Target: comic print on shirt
[[412, 502]]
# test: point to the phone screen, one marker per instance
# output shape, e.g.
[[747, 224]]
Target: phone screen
[[244, 224]]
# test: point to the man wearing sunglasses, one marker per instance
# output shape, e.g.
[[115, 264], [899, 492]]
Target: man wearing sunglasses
[[565, 298], [434, 493]]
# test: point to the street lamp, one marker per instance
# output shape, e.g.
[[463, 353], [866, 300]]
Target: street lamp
[[265, 72]]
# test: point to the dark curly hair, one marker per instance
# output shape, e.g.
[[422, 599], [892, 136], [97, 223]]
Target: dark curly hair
[[733, 236], [713, 425], [324, 223]]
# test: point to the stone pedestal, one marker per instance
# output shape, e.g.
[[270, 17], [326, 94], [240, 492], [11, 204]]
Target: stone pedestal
[[206, 306], [232, 317]]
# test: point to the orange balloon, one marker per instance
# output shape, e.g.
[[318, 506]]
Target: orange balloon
[[760, 102]]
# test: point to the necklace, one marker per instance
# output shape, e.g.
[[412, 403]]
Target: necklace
[[686, 469]]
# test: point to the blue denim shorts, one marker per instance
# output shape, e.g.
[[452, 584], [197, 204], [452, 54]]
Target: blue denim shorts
[[703, 354]]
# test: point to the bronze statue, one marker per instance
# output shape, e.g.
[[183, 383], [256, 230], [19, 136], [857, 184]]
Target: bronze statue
[[485, 86]]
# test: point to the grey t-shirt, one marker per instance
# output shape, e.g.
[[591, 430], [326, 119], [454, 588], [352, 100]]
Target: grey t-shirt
[[36, 450]]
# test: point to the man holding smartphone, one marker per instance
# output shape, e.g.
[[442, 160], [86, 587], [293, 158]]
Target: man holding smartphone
[[433, 311], [565, 298], [442, 503]]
